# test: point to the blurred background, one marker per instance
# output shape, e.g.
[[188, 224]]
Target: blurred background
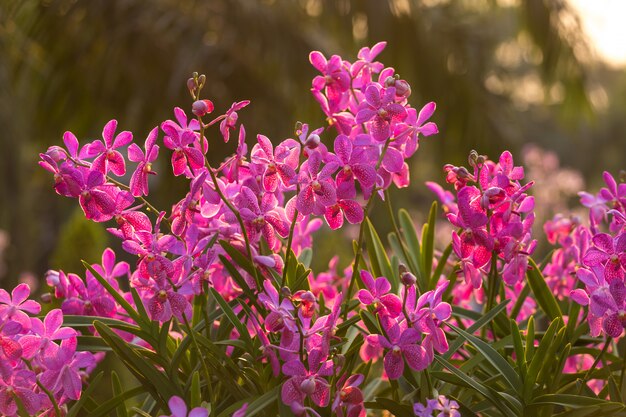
[[543, 78]]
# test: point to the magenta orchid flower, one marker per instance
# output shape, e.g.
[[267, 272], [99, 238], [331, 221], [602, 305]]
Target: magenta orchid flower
[[43, 335], [108, 159], [230, 118], [139, 179], [381, 107], [280, 315], [610, 253], [354, 163], [97, 199], [186, 159], [335, 78], [345, 206], [307, 383], [377, 294], [276, 171], [20, 384], [179, 409], [429, 313], [63, 373], [15, 306], [400, 345], [317, 188]]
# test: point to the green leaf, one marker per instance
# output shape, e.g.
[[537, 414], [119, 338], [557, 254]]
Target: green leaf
[[232, 317], [153, 380], [530, 339], [482, 321], [116, 387], [378, 256], [238, 257], [518, 347], [117, 403], [370, 322], [92, 344], [493, 357], [114, 293], [572, 401], [78, 405], [540, 356], [236, 276], [255, 404], [306, 256], [409, 232], [429, 244], [543, 294], [440, 266], [398, 410], [493, 396], [196, 394]]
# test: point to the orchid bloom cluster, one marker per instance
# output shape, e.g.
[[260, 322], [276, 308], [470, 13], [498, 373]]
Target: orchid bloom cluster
[[264, 203], [602, 261], [221, 284], [493, 216], [40, 369]]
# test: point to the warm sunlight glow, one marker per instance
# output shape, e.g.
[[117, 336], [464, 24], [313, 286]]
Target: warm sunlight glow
[[603, 22]]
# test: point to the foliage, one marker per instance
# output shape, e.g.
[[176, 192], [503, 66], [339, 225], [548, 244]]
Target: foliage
[[222, 315]]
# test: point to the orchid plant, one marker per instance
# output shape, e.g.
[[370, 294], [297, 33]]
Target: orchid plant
[[221, 315]]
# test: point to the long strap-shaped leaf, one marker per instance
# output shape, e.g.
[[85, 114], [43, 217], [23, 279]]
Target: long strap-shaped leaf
[[507, 371]]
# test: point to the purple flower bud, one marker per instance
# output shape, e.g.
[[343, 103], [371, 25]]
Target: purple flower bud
[[312, 141], [308, 386], [202, 107], [408, 279], [403, 89]]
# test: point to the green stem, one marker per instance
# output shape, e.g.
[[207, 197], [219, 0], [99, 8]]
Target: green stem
[[359, 251], [291, 230], [204, 367], [394, 224], [595, 363]]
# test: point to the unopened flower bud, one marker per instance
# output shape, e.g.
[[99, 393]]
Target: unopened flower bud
[[339, 360], [192, 86], [403, 89], [390, 81], [313, 141], [202, 107], [201, 81], [308, 386], [286, 292], [402, 269], [408, 279], [46, 298]]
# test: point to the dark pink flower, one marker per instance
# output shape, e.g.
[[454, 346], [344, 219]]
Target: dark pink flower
[[354, 163], [377, 294], [186, 158], [381, 107], [317, 188], [63, 375], [307, 383], [139, 179], [335, 79], [349, 397], [15, 306], [401, 345], [277, 170], [108, 159], [230, 118], [345, 206], [179, 409], [43, 335], [610, 253]]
